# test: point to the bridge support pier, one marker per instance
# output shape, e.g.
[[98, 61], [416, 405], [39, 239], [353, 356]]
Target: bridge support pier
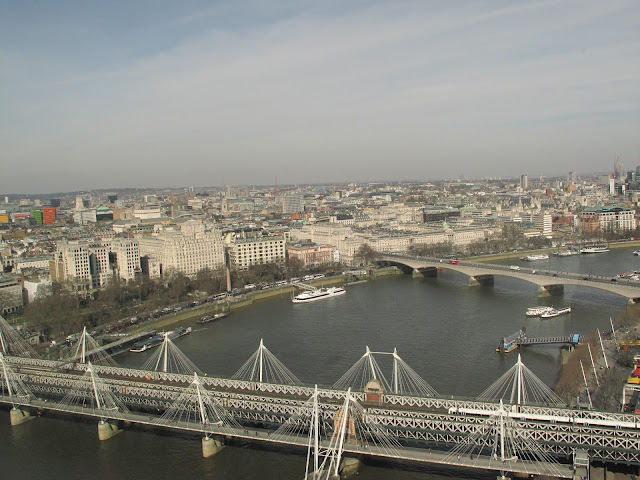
[[551, 290], [211, 446], [350, 467], [429, 272], [106, 430], [633, 301], [18, 416], [481, 281]]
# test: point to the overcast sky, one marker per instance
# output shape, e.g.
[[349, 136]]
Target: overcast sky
[[100, 94]]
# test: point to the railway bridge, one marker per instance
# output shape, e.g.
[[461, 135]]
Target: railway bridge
[[517, 425]]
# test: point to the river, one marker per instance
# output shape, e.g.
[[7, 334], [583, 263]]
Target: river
[[445, 330]]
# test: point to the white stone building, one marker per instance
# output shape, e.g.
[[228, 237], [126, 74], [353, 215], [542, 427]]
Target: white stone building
[[246, 250], [187, 250]]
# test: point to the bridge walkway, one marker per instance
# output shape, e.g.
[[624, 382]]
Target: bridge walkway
[[261, 435]]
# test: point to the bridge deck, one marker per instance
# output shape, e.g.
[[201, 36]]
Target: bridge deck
[[261, 435]]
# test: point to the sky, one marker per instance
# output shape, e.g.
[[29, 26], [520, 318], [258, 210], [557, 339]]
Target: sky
[[158, 93]]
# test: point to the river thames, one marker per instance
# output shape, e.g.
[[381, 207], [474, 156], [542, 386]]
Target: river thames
[[445, 330]]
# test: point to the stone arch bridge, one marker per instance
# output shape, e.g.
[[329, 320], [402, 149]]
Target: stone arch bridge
[[550, 283]]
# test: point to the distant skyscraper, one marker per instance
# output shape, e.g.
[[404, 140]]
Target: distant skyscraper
[[79, 203], [524, 182], [572, 177], [292, 203]]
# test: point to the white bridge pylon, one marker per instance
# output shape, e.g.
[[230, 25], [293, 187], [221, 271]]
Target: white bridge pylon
[[91, 393], [330, 430], [520, 386], [12, 343], [87, 350], [12, 385], [500, 444], [264, 367], [169, 358], [197, 408], [404, 379]]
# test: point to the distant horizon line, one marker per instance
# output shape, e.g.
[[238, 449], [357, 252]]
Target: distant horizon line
[[298, 184]]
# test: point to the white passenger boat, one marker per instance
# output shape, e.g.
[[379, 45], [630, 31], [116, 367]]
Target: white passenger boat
[[314, 294], [566, 253], [530, 258], [636, 252], [598, 249], [537, 311], [156, 340], [556, 312]]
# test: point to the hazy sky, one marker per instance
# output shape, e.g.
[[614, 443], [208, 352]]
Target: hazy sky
[[98, 94]]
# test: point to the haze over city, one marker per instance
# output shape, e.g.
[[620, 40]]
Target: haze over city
[[99, 95]]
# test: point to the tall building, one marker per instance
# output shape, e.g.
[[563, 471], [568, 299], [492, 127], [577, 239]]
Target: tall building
[[543, 223], [572, 177], [37, 216], [126, 256], [81, 263], [524, 182], [48, 215], [292, 203], [187, 251], [253, 248], [605, 219]]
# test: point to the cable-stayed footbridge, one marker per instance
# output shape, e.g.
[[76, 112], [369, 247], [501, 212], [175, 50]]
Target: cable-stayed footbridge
[[517, 425]]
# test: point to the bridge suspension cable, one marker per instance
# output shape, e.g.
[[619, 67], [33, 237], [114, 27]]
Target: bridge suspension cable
[[520, 386], [264, 367], [197, 407], [13, 385], [500, 441], [169, 358], [87, 350], [404, 380], [328, 432], [91, 393], [12, 343]]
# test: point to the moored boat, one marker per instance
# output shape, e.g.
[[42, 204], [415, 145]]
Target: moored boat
[[530, 258], [537, 311], [556, 312], [156, 340], [212, 318], [566, 253], [312, 295], [636, 252], [595, 249]]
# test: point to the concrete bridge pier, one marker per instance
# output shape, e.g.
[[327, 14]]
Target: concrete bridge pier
[[429, 272], [106, 430], [551, 290], [211, 446], [350, 467], [481, 281], [18, 416], [632, 301]]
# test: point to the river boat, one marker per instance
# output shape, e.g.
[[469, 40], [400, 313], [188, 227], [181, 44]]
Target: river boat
[[531, 258], [508, 348], [156, 340], [314, 294], [636, 252], [537, 311], [596, 249], [566, 253], [212, 318], [556, 312]]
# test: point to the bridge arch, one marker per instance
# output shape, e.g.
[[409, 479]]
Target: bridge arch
[[548, 282]]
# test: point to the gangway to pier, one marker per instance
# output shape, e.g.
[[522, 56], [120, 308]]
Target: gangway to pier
[[520, 338]]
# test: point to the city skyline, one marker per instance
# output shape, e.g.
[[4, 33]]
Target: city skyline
[[167, 95]]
